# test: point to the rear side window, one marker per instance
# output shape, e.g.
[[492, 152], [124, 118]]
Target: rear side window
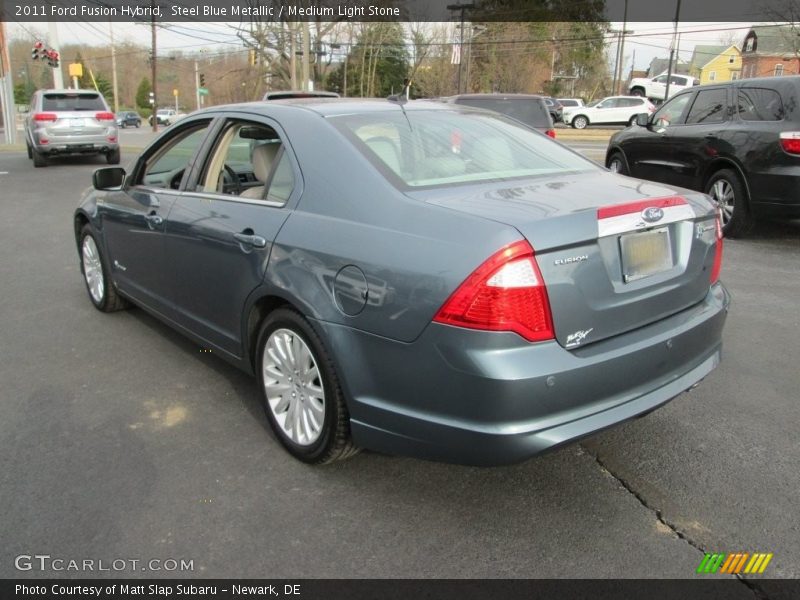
[[760, 104], [531, 111], [69, 102], [708, 107]]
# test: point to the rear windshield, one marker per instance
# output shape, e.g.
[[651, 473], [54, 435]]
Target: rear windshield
[[438, 148], [77, 101], [531, 111]]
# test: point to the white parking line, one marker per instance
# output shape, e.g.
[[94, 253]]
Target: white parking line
[[3, 172]]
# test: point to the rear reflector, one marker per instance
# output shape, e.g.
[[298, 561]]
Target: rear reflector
[[715, 270], [104, 116], [551, 133], [505, 293], [790, 141], [45, 117]]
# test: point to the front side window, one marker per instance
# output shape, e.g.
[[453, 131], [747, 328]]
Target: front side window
[[670, 113], [760, 104], [435, 148], [709, 107], [165, 167], [661, 79]]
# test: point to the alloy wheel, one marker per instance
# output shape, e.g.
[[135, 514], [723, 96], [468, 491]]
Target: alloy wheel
[[722, 193], [93, 269], [293, 386]]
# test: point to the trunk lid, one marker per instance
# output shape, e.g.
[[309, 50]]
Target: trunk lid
[[608, 270]]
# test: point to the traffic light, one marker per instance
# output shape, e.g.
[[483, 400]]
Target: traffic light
[[202, 80], [52, 58], [38, 51]]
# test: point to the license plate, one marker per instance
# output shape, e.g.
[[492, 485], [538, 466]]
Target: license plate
[[76, 122], [645, 253]]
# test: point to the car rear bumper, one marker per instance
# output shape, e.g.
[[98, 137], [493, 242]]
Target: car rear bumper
[[486, 398], [90, 144]]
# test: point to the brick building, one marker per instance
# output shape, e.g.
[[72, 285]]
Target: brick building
[[770, 51]]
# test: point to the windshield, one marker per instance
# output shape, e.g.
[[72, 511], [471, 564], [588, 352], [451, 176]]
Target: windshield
[[594, 102], [437, 148]]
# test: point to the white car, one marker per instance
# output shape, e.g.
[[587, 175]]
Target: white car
[[656, 88], [614, 110]]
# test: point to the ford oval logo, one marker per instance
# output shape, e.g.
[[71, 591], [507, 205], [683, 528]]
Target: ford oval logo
[[652, 214]]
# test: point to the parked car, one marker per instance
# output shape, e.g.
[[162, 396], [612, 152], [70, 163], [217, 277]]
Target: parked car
[[289, 94], [739, 142], [63, 122], [128, 119], [569, 102], [422, 279], [528, 109], [166, 116], [656, 88], [555, 108], [614, 110]]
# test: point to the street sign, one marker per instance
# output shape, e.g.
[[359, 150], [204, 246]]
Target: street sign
[[76, 70], [175, 92], [202, 91]]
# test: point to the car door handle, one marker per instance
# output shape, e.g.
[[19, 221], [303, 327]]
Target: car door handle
[[250, 239], [153, 219]]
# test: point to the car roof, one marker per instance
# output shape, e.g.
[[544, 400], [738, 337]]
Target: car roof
[[329, 107], [499, 95]]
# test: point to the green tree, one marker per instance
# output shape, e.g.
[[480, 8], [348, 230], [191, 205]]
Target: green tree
[[377, 64], [143, 93], [22, 94], [104, 87]]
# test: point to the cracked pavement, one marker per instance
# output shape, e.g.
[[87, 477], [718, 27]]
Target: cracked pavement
[[120, 439]]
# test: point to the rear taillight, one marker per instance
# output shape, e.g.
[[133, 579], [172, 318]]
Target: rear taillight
[[104, 116], [45, 117], [551, 133], [506, 293], [715, 270], [790, 141]]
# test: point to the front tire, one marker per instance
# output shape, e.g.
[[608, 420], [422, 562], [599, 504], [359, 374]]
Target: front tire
[[580, 122], [637, 92], [30, 152], [102, 293], [302, 396], [616, 163], [727, 190]]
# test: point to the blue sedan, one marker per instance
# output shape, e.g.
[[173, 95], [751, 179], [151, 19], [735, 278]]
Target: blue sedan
[[415, 278]]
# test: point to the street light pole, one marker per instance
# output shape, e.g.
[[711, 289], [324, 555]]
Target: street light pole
[[672, 49]]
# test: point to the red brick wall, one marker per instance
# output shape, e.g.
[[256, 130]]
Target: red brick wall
[[764, 66]]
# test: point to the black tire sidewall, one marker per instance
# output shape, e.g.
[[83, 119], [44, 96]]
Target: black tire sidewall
[[283, 318], [624, 165]]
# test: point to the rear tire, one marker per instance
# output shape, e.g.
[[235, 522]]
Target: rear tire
[[632, 121], [727, 190], [39, 159], [95, 272], [303, 399], [616, 163], [580, 122], [113, 157]]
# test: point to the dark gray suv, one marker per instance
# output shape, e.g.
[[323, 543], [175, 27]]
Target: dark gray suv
[[70, 122], [738, 141]]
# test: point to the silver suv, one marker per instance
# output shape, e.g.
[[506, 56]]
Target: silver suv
[[70, 122]]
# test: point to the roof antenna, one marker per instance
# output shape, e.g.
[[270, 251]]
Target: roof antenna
[[401, 98]]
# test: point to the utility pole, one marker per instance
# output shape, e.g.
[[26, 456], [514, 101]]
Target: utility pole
[[622, 46], [304, 59], [153, 70], [113, 68], [7, 90], [52, 34], [672, 48], [463, 8], [197, 84]]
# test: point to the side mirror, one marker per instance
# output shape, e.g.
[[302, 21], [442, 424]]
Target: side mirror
[[643, 119], [108, 178]]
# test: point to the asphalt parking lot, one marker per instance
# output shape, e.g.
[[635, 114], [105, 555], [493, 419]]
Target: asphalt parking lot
[[120, 439]]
